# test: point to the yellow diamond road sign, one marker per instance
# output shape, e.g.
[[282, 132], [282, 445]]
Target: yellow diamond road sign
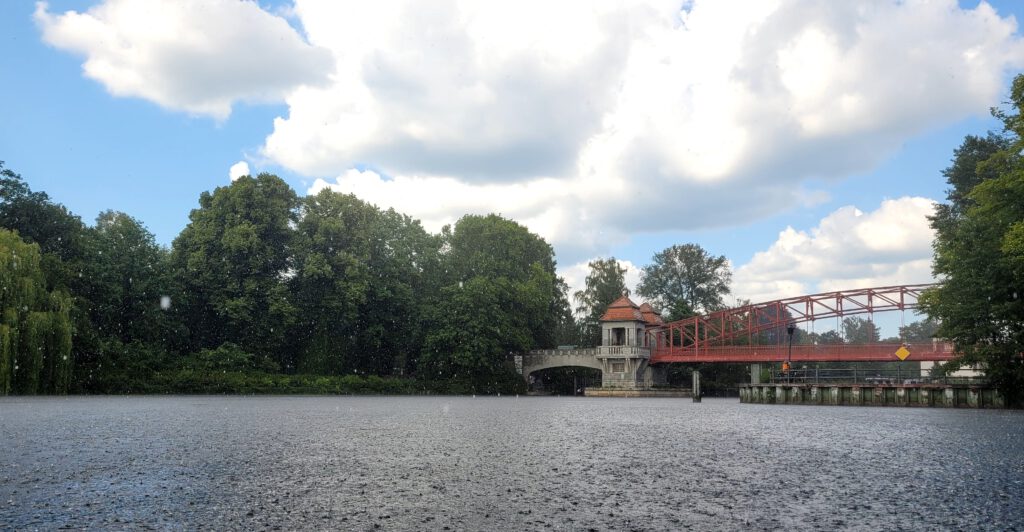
[[903, 352]]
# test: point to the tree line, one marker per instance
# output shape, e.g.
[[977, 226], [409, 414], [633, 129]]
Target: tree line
[[262, 282]]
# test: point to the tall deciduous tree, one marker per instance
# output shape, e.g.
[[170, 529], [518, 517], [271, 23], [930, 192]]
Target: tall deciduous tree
[[496, 301], [360, 274], [129, 278], [62, 237], [233, 261], [684, 280], [920, 331], [979, 253], [858, 330], [605, 283], [35, 324]]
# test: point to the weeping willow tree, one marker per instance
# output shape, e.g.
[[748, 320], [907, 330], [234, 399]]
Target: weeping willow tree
[[35, 327]]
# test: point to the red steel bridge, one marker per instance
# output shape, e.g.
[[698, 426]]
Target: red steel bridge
[[759, 332]]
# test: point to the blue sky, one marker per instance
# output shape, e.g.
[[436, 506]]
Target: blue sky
[[579, 138]]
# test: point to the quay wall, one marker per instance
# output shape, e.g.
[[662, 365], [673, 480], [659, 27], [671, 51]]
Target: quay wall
[[921, 395], [636, 392]]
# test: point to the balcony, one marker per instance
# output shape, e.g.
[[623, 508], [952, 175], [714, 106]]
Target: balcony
[[620, 351]]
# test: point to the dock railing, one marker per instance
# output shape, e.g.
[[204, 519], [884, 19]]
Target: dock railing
[[868, 377]]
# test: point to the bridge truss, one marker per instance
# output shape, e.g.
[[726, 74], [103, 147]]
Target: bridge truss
[[758, 332]]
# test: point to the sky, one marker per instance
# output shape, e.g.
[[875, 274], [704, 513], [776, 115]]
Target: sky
[[804, 140]]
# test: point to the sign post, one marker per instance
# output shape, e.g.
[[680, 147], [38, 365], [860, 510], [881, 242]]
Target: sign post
[[902, 353]]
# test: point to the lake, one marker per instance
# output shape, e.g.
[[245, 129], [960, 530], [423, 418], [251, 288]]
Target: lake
[[502, 463]]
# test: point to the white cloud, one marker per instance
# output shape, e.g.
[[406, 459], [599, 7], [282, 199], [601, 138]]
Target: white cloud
[[238, 169], [198, 56], [586, 120], [630, 117], [848, 249]]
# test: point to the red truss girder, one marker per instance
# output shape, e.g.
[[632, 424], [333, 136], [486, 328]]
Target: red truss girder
[[724, 328]]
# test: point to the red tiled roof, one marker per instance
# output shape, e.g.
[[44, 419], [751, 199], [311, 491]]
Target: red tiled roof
[[650, 315], [622, 309]]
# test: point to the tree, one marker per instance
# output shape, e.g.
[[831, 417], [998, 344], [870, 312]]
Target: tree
[[67, 253], [684, 280], [493, 247], [858, 330], [979, 253], [61, 236], [498, 285], [233, 261], [360, 274], [567, 331], [605, 283], [825, 338], [920, 331], [35, 324], [129, 277]]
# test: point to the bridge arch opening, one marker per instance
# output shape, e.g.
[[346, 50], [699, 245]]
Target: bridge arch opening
[[563, 380]]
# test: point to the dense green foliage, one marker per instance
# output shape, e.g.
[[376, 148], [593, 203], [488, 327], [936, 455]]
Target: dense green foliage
[[265, 291], [685, 280], [232, 262], [979, 252], [605, 283], [362, 277], [496, 299], [35, 324]]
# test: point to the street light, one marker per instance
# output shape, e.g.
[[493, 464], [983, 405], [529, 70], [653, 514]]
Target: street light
[[789, 354]]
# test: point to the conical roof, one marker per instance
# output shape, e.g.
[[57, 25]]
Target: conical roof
[[650, 315], [622, 309]]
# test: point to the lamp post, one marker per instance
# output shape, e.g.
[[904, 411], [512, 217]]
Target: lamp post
[[789, 354]]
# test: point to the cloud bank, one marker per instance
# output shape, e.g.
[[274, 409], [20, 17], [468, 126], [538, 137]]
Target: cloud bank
[[588, 121], [847, 249]]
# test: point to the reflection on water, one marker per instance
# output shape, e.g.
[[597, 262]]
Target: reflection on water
[[503, 463]]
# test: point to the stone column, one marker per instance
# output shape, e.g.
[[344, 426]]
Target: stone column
[[755, 374]]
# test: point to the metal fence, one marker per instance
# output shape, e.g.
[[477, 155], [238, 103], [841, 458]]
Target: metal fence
[[867, 376]]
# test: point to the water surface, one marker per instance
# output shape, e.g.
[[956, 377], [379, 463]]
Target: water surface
[[461, 463]]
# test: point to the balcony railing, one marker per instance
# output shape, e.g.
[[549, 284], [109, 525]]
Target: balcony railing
[[623, 351]]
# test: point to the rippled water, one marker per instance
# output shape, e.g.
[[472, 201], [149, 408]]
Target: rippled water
[[436, 463]]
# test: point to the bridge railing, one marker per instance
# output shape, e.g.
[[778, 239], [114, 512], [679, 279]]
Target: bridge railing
[[924, 351], [587, 351]]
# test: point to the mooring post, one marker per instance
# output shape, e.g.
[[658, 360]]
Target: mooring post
[[696, 386]]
